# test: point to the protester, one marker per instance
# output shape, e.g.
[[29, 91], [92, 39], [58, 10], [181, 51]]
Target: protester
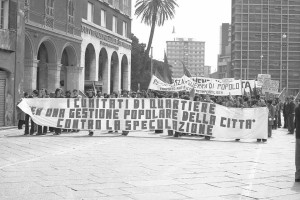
[[297, 151], [20, 113], [75, 94], [42, 130], [285, 113], [58, 94], [90, 94], [291, 114], [27, 117]]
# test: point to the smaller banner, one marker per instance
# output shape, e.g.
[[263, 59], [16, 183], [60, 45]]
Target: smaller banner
[[261, 79], [201, 85], [270, 86]]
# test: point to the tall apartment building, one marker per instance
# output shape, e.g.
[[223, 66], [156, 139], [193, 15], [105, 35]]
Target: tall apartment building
[[207, 71], [187, 52], [224, 57], [266, 39]]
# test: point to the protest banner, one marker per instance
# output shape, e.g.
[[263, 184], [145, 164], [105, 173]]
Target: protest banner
[[248, 86], [270, 86], [206, 86], [131, 114], [157, 84], [261, 79]]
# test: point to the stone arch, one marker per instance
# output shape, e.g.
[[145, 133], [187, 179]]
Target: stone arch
[[68, 67], [103, 69], [90, 62], [50, 47], [114, 73], [47, 67], [124, 73]]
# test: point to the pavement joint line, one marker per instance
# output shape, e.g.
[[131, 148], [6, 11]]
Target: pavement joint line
[[49, 155], [252, 173]]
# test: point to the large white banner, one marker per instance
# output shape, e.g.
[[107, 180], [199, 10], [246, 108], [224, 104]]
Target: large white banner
[[147, 114], [209, 86]]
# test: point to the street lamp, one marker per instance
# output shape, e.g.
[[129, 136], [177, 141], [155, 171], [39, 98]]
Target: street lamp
[[261, 57], [282, 37]]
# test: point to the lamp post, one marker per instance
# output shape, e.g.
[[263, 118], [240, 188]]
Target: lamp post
[[282, 37], [261, 57]]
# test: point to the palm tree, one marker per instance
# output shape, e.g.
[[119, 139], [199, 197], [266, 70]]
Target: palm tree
[[154, 12]]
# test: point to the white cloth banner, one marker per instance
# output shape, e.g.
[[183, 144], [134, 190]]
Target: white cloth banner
[[202, 86], [148, 114]]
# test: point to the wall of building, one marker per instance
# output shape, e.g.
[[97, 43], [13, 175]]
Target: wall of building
[[11, 57], [186, 52], [53, 44], [266, 39]]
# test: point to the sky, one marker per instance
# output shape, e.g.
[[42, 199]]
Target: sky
[[198, 19]]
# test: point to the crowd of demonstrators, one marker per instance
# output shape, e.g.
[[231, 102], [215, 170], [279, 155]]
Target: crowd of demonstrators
[[275, 107]]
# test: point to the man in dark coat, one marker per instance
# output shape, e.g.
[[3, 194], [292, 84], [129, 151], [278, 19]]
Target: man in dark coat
[[291, 115], [297, 156], [285, 115]]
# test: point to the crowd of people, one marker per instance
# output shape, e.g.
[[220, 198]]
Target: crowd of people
[[276, 107]]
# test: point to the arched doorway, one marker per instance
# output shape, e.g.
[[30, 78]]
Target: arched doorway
[[103, 70], [68, 61], [124, 73], [90, 64], [114, 73], [42, 67], [47, 61]]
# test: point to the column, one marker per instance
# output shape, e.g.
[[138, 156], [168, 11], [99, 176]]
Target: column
[[117, 77], [72, 77], [42, 75], [106, 77], [128, 83], [30, 75], [53, 76]]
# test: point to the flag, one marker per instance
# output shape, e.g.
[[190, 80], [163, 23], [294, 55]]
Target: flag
[[81, 93], [192, 94], [158, 75], [186, 71], [282, 95], [173, 30], [297, 96], [167, 70]]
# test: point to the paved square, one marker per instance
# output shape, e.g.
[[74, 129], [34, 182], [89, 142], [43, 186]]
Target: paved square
[[145, 166]]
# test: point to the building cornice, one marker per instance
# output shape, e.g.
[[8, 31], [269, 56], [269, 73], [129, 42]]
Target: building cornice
[[54, 32]]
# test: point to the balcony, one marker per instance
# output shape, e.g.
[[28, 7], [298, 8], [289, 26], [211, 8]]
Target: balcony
[[7, 39]]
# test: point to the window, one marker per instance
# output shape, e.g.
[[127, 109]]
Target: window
[[90, 12], [114, 24], [125, 28], [71, 11], [103, 18], [3, 14], [50, 8]]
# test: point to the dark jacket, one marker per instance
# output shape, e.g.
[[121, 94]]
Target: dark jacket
[[297, 122], [290, 108]]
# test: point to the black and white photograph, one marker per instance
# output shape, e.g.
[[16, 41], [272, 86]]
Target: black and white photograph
[[149, 99]]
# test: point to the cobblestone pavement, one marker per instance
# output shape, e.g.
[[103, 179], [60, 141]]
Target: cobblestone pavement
[[145, 166]]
